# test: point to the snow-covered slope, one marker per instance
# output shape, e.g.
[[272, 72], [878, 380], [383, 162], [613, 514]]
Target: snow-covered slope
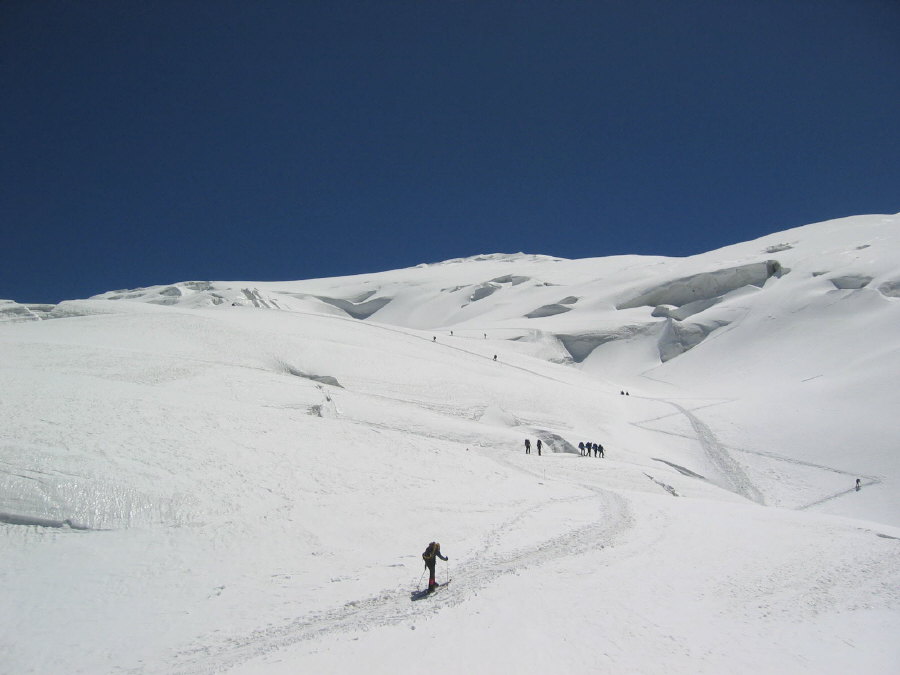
[[208, 476]]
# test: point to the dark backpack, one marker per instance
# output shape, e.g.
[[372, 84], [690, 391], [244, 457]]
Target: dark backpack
[[429, 552]]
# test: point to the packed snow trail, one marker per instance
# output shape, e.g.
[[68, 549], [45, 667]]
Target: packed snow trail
[[842, 493], [737, 479], [732, 476], [481, 567]]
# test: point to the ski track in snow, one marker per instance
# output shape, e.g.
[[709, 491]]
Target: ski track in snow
[[390, 607], [735, 478], [421, 335], [842, 493], [393, 606], [716, 450]]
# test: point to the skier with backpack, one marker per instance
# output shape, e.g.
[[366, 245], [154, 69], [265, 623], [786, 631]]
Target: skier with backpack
[[432, 552]]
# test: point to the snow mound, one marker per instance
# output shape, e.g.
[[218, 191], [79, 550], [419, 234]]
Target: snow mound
[[70, 309], [778, 248], [890, 289], [851, 282], [358, 309], [683, 312], [52, 487], [483, 291], [677, 338], [187, 293], [706, 285], [580, 346], [494, 257], [496, 416], [511, 279], [11, 311], [288, 369], [548, 310]]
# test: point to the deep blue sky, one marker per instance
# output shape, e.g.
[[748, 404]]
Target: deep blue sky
[[147, 142]]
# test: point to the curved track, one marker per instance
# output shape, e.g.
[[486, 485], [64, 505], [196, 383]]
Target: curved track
[[488, 561]]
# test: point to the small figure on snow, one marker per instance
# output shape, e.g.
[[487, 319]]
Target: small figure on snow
[[539, 447], [432, 552], [527, 447], [495, 357], [581, 448], [857, 485]]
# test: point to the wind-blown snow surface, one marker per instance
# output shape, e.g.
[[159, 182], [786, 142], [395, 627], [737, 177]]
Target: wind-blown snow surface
[[240, 476]]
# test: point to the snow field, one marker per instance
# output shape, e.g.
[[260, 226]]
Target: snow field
[[257, 473]]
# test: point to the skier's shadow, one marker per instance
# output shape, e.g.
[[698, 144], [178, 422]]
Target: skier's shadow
[[418, 595]]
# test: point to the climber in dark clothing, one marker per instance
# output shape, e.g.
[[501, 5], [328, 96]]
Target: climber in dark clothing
[[431, 552]]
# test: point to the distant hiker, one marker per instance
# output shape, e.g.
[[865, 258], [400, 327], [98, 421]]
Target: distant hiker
[[432, 551], [434, 338], [621, 392], [451, 332], [857, 485], [628, 393], [495, 357], [527, 447], [601, 450], [580, 447], [596, 450], [539, 447], [485, 336]]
